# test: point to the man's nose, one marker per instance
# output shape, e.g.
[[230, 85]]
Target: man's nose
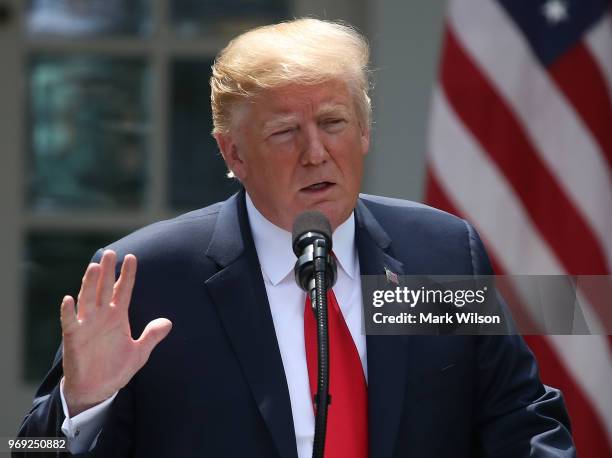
[[314, 151]]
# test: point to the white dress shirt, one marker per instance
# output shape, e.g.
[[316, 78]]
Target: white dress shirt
[[287, 301]]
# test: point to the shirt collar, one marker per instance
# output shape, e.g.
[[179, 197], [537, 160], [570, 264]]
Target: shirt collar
[[274, 251]]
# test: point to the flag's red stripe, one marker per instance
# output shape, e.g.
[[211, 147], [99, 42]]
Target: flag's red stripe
[[579, 77], [587, 427], [492, 123], [435, 195]]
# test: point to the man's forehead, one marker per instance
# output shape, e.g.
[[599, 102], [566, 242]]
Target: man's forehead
[[323, 97], [284, 104], [287, 113]]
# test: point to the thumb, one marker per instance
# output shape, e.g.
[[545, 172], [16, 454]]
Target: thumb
[[153, 334]]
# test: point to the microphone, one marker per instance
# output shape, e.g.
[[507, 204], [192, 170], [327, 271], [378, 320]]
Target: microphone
[[312, 244], [315, 272]]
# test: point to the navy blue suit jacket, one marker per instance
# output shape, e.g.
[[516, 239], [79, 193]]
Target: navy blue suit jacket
[[216, 385]]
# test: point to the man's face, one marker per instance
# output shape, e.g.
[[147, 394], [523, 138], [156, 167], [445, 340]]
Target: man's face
[[299, 148]]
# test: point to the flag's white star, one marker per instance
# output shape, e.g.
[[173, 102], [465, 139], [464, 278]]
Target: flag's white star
[[555, 11]]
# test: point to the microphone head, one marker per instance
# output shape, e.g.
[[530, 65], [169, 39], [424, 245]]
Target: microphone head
[[310, 221]]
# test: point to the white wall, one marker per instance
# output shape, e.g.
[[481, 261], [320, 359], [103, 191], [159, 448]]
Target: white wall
[[405, 39]]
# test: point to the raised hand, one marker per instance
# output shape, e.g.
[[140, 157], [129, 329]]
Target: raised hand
[[99, 354]]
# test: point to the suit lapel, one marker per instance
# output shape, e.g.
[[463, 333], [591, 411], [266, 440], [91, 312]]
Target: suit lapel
[[239, 295], [387, 355]]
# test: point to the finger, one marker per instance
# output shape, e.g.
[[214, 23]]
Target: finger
[[68, 316], [104, 291], [87, 296], [153, 334], [125, 284]]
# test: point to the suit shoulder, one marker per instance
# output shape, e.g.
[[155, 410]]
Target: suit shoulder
[[401, 210], [188, 232], [443, 243]]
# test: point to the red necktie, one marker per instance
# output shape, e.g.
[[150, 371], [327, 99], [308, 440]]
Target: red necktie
[[347, 418]]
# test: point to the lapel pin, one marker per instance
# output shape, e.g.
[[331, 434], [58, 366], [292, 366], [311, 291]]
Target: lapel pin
[[391, 277]]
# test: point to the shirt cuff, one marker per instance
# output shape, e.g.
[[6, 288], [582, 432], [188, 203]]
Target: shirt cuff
[[82, 431]]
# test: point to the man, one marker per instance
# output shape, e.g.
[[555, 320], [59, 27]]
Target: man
[[292, 119]]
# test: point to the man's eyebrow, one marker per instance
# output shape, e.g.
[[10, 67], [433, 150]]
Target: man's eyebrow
[[278, 121], [282, 120], [333, 109]]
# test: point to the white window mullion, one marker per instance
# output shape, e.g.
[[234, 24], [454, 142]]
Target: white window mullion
[[158, 134]]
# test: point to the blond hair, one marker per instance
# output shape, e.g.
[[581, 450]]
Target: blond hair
[[303, 51]]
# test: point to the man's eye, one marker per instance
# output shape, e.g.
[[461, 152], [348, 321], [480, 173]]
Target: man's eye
[[335, 123], [284, 131]]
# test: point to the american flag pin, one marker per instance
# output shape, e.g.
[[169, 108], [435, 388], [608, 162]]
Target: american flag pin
[[391, 277]]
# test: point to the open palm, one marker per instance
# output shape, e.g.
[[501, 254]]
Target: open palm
[[99, 354]]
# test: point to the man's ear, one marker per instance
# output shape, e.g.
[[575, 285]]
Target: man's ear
[[365, 140], [231, 154]]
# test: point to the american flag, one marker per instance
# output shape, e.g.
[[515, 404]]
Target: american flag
[[520, 144]]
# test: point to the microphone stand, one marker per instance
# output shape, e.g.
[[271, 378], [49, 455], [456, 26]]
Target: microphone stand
[[318, 299], [315, 271]]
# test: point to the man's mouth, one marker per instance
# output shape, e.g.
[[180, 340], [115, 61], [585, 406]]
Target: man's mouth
[[321, 186]]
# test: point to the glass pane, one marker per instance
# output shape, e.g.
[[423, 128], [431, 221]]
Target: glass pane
[[197, 171], [224, 17], [88, 126], [54, 266], [88, 18]]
